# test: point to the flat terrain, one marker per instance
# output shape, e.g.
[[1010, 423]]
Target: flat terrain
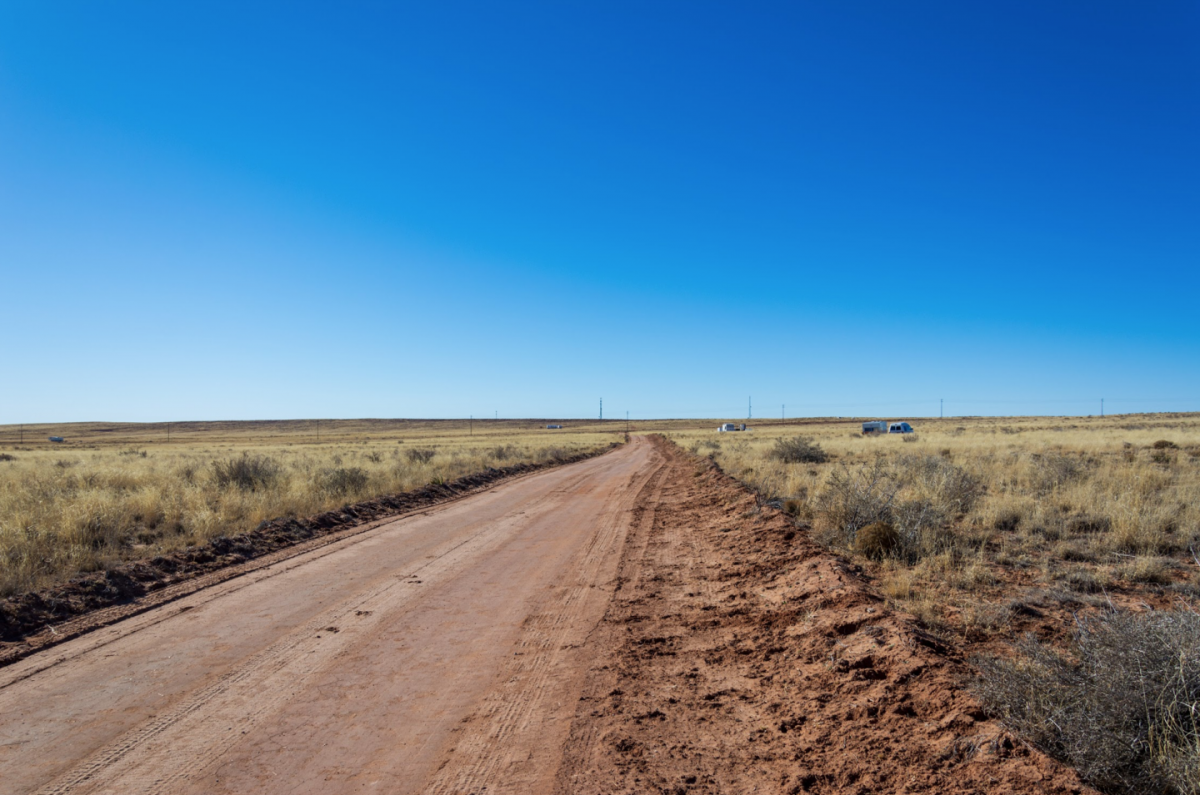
[[630, 623]]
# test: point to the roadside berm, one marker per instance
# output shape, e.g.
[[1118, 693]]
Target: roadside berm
[[739, 656]]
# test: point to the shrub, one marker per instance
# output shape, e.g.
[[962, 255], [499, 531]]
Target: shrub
[[952, 488], [7, 457], [420, 456], [878, 540], [856, 498], [1163, 444], [343, 480], [1123, 707], [249, 473], [1088, 524], [798, 450], [1052, 470], [504, 452]]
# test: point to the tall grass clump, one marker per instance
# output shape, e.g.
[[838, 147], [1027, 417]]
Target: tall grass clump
[[798, 450], [1122, 706], [249, 472]]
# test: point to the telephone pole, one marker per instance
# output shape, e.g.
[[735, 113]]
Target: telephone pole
[[601, 409], [749, 409], [782, 412], [1101, 407], [941, 408]]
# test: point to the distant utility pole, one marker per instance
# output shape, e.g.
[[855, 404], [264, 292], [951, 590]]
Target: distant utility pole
[[1101, 407], [941, 408], [497, 415], [782, 412], [749, 409], [601, 408], [318, 431]]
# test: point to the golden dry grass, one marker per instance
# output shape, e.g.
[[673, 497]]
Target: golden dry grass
[[117, 492]]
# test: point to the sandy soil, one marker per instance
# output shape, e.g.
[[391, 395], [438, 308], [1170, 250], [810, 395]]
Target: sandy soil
[[629, 623]]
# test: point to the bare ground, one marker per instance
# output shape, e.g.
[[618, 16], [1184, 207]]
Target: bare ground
[[630, 623]]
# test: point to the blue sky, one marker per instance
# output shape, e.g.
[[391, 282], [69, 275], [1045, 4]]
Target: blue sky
[[443, 209]]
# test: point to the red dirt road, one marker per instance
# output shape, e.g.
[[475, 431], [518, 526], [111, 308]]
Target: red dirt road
[[631, 623], [433, 654]]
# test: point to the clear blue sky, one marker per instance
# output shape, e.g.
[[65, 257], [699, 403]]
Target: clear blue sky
[[229, 210]]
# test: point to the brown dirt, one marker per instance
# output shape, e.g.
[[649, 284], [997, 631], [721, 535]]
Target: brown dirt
[[630, 623], [739, 657]]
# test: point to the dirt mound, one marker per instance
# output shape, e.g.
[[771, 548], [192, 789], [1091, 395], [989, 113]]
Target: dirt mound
[[738, 656], [27, 614]]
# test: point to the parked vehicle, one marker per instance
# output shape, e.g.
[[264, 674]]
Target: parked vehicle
[[731, 426], [880, 426], [57, 439], [553, 426]]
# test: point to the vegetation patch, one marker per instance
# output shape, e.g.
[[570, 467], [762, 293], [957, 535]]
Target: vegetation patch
[[1122, 705]]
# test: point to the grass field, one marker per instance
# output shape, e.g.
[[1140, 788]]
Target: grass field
[[116, 492]]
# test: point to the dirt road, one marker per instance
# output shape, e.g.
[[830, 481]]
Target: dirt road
[[437, 653], [637, 622]]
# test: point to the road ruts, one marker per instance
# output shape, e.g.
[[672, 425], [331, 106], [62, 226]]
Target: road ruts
[[438, 653]]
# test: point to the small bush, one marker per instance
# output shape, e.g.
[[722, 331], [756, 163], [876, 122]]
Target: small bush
[[1088, 524], [7, 457], [1007, 521], [1053, 470], [798, 450], [343, 480], [877, 541], [249, 473], [418, 455], [909, 437], [1163, 444], [504, 452], [1123, 707], [856, 498]]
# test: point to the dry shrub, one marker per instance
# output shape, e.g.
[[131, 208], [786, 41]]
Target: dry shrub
[[855, 498], [1123, 706], [343, 480], [503, 452], [951, 488], [1054, 470], [798, 450], [878, 540], [419, 455], [1163, 444], [1085, 524], [7, 457], [249, 473]]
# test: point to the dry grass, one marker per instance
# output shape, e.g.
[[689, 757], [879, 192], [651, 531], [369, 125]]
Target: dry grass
[[117, 493]]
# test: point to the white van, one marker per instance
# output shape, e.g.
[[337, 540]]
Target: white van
[[900, 427]]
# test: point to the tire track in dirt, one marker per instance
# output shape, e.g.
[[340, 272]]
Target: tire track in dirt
[[515, 722], [392, 659]]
